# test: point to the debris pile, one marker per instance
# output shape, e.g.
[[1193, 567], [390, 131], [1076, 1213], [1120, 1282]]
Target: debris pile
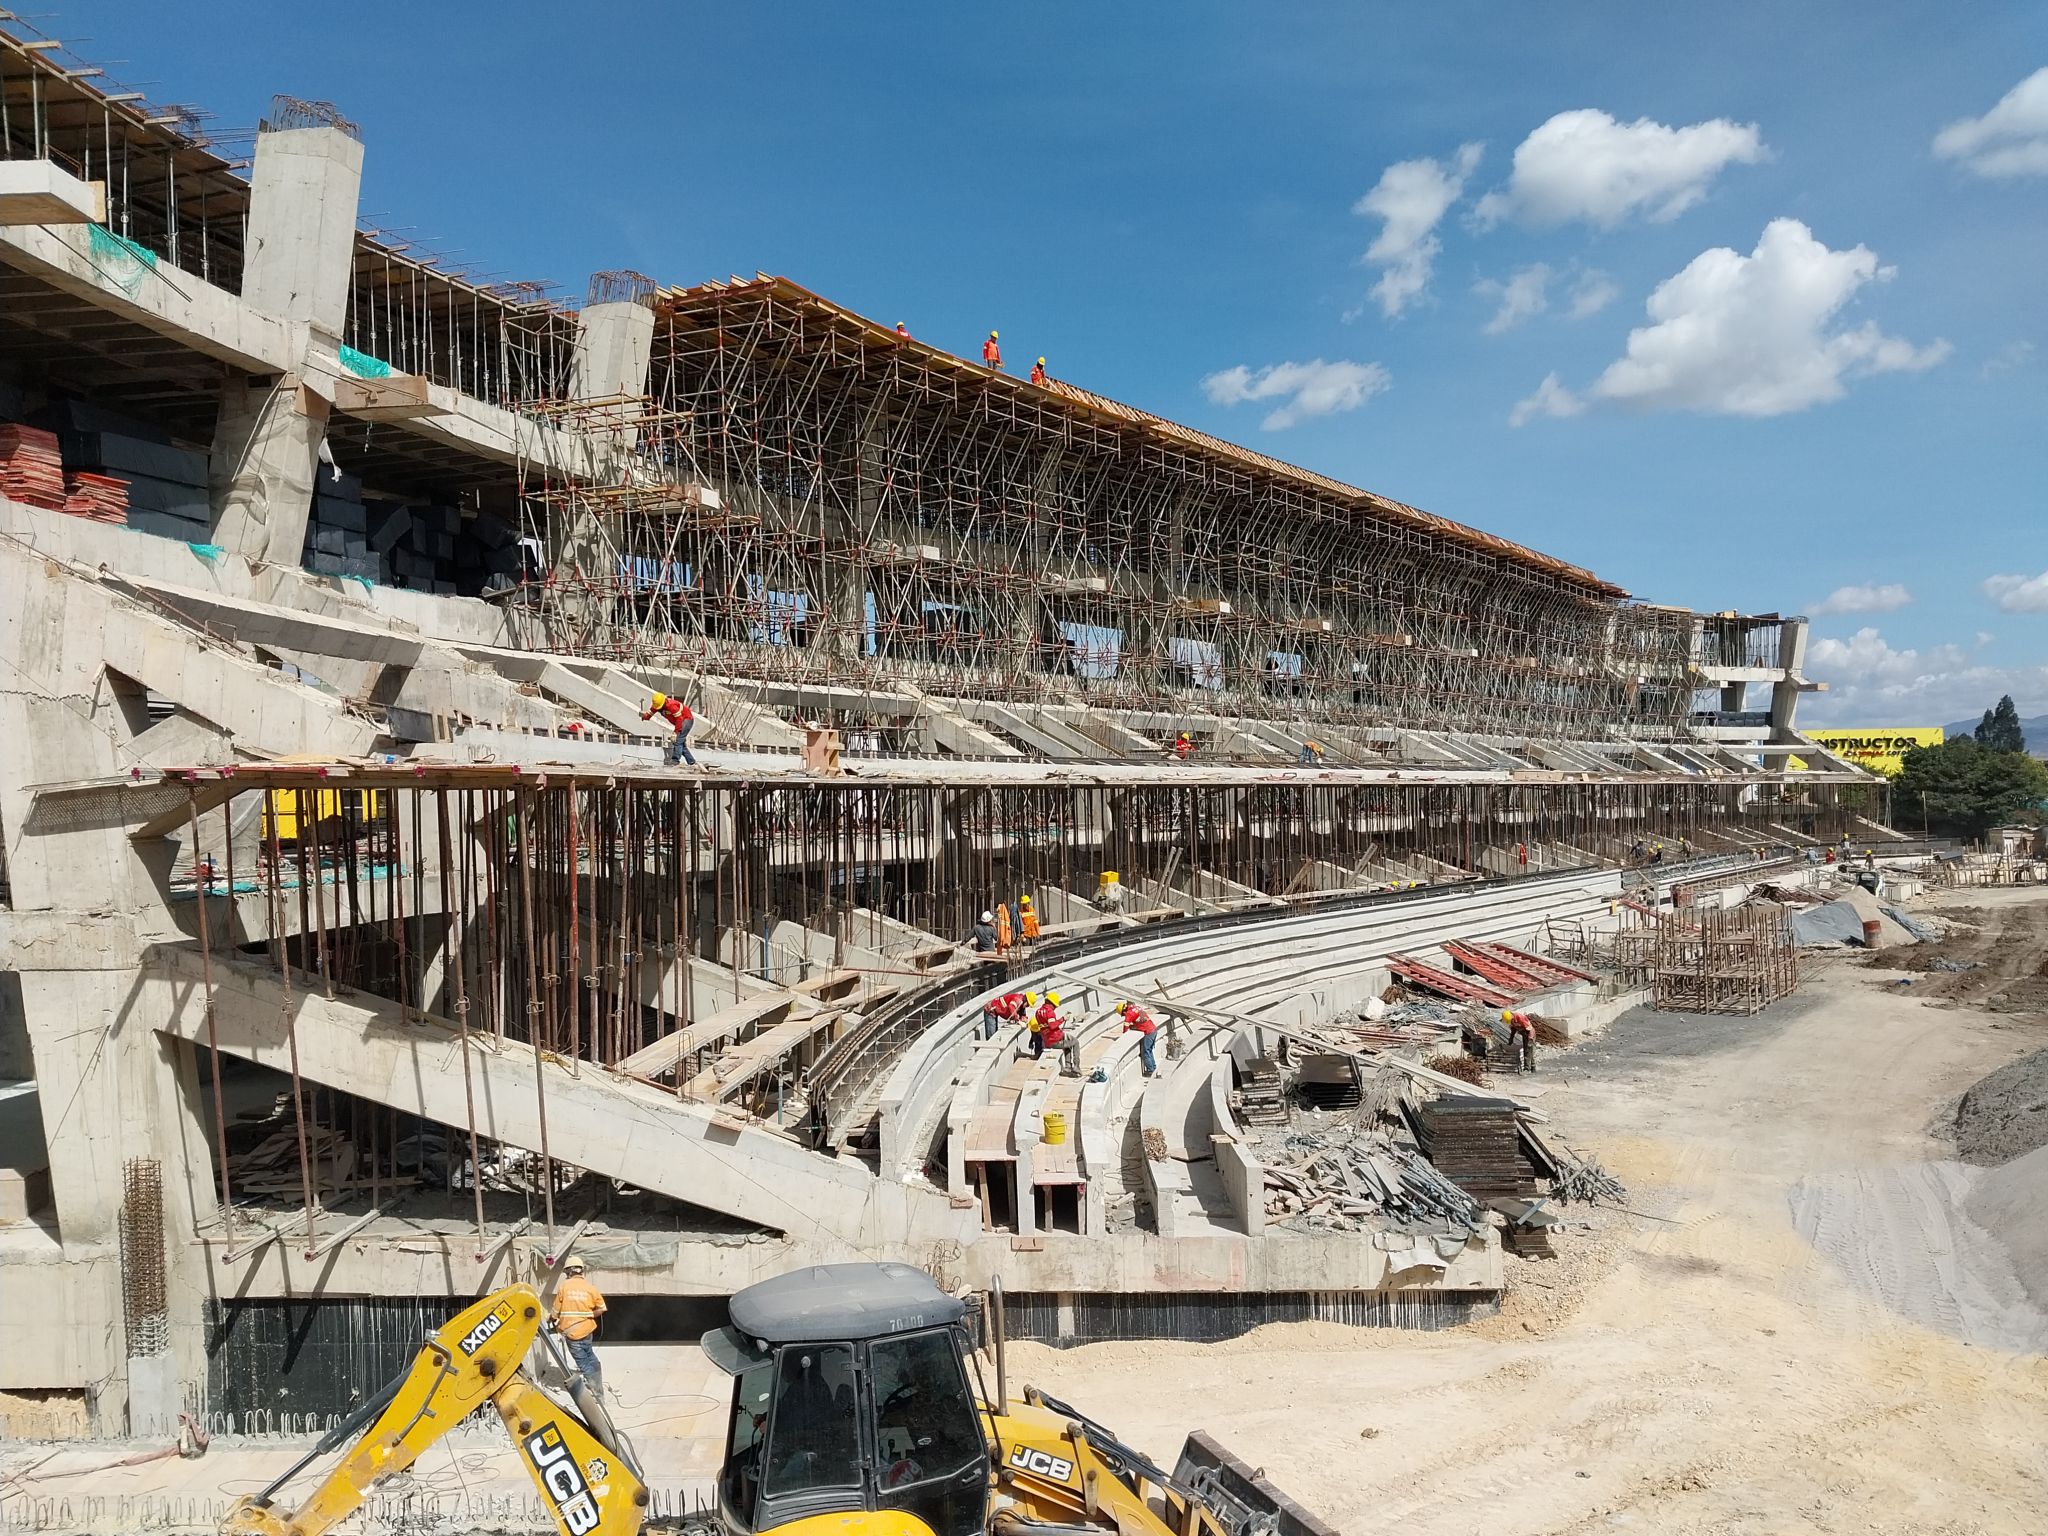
[[1584, 1180], [1345, 1180]]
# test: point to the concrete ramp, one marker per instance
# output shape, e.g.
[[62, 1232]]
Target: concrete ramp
[[596, 1120]]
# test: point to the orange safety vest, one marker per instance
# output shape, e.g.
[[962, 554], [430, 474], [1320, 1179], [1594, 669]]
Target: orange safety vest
[[1003, 927], [578, 1305], [1029, 923], [991, 353]]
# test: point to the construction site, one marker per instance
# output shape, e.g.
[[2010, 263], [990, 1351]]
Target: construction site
[[1161, 893]]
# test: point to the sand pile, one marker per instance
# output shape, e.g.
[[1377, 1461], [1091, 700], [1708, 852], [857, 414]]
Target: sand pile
[[1869, 908], [1912, 1239], [2007, 1203]]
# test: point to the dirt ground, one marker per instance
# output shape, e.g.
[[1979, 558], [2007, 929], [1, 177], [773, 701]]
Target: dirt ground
[[1709, 1372], [2005, 946]]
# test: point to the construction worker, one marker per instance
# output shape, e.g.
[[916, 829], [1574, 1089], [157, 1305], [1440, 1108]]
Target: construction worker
[[1311, 754], [903, 330], [1521, 1037], [1027, 920], [1048, 1027], [679, 715], [1183, 744], [1147, 1027], [991, 354], [1005, 934], [983, 939], [1007, 1009], [1038, 374], [578, 1305]]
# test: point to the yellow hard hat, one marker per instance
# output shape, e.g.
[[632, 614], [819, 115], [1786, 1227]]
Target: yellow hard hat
[[1024, 901], [992, 336], [660, 699], [1120, 1007], [1507, 1016], [1041, 362], [1053, 998], [1031, 998]]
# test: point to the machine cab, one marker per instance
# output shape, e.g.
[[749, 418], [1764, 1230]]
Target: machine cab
[[850, 1393]]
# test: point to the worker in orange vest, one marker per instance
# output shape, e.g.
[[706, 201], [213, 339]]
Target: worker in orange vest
[[991, 354], [1521, 1037], [1137, 1018], [1038, 374], [1027, 920], [679, 715], [578, 1306]]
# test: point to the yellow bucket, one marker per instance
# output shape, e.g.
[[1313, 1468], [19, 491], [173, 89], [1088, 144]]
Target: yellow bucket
[[1055, 1128]]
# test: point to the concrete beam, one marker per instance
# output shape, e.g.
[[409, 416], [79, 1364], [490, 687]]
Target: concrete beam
[[43, 192], [596, 1121]]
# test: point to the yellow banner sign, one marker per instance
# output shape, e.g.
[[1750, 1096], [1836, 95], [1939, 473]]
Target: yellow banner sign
[[1880, 748]]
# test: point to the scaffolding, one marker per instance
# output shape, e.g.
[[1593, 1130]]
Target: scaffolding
[[810, 498], [1723, 960]]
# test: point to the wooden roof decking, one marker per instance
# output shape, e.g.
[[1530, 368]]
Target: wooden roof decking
[[699, 305]]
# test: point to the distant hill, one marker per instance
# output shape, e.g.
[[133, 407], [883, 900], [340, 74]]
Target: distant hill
[[2035, 730]]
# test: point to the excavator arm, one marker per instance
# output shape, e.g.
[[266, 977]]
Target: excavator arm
[[471, 1359]]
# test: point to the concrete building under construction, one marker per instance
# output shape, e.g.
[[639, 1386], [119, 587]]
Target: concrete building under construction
[[361, 951]]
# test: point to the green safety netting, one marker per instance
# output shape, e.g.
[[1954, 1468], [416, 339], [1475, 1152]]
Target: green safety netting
[[123, 262], [362, 365]]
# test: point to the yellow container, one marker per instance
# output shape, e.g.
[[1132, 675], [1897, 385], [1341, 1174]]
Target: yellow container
[[1055, 1128]]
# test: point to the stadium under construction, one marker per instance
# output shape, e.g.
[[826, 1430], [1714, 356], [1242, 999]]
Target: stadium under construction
[[360, 949]]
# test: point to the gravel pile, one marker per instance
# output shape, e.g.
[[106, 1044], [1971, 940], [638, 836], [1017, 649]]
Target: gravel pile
[[2004, 1115]]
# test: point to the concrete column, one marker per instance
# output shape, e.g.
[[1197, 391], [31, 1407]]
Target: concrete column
[[298, 267], [614, 343], [1786, 690]]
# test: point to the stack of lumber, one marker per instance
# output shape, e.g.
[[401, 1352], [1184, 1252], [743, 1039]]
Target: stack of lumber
[[100, 498], [1476, 1143], [271, 1167], [31, 467], [1350, 1180]]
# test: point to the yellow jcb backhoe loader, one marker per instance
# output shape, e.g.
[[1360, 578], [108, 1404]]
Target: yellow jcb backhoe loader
[[859, 1409]]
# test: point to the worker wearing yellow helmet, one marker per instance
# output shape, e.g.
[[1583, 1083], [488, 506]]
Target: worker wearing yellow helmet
[[680, 717], [1038, 374], [1521, 1037], [991, 354], [1027, 920]]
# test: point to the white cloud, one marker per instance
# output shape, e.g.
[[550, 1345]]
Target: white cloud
[[1585, 165], [1411, 198], [2009, 140], [1865, 599], [1309, 389], [1749, 335], [2010, 358], [1551, 399], [1524, 294], [1872, 683], [1593, 292], [2018, 594]]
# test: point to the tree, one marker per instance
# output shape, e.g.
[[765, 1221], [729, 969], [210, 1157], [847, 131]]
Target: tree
[[1962, 788], [2006, 735]]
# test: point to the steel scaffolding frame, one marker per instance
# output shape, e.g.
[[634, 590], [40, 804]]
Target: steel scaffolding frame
[[881, 514]]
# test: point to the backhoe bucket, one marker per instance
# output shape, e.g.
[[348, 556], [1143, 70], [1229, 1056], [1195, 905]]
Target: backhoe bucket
[[1240, 1498]]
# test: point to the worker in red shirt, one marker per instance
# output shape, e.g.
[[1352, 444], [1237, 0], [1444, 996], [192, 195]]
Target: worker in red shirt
[[1183, 744], [998, 1011], [991, 354], [679, 715], [1147, 1027], [903, 330], [1521, 1037], [1038, 374], [1052, 1029]]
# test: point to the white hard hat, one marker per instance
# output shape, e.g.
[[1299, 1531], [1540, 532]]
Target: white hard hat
[[988, 917], [574, 1266]]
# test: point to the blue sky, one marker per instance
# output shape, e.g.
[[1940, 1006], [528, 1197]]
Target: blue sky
[[1168, 201]]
